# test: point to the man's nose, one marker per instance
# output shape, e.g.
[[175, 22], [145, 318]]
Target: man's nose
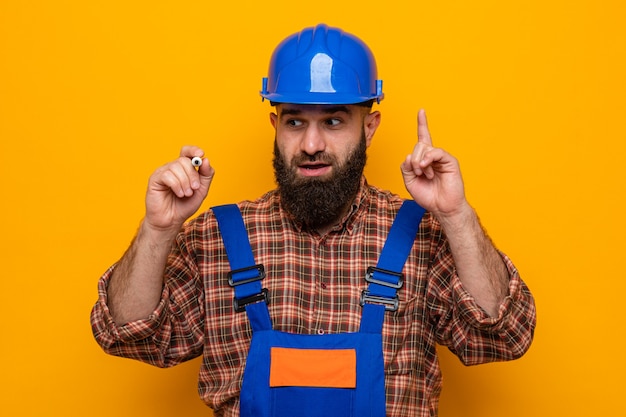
[[313, 141]]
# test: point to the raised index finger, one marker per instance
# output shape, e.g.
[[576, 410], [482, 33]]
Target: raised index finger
[[423, 135]]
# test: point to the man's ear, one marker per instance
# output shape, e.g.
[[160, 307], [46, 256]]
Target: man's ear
[[273, 119], [370, 124]]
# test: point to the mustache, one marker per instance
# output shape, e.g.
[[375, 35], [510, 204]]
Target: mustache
[[319, 157]]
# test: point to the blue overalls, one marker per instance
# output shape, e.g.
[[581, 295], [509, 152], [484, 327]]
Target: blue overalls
[[340, 375]]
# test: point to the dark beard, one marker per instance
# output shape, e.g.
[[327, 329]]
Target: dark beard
[[315, 202]]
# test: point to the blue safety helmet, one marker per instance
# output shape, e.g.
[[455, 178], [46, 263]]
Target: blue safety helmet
[[322, 65]]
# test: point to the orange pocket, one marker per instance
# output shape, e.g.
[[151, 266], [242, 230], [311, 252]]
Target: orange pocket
[[330, 368]]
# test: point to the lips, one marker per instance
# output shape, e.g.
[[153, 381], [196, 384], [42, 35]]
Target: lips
[[313, 168]]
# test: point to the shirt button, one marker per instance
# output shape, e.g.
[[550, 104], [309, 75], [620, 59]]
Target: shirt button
[[323, 286], [320, 331]]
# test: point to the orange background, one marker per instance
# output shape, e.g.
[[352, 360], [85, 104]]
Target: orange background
[[94, 95]]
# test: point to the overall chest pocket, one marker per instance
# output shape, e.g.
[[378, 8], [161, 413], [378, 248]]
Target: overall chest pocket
[[312, 382]]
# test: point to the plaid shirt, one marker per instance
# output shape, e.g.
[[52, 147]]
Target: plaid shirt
[[314, 285]]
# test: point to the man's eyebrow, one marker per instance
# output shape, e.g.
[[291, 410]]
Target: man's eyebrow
[[289, 112], [336, 109], [325, 110]]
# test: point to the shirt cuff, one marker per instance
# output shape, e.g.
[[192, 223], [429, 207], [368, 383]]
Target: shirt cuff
[[474, 314], [107, 332]]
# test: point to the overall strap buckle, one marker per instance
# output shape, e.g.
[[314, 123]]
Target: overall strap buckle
[[245, 276], [233, 281], [395, 282], [241, 303], [391, 304]]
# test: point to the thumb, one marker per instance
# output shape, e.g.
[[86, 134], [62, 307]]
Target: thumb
[[408, 170], [406, 166], [207, 172]]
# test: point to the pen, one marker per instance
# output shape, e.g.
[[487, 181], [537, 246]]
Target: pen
[[196, 161]]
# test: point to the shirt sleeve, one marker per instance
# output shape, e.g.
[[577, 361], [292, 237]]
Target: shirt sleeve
[[466, 329], [172, 333]]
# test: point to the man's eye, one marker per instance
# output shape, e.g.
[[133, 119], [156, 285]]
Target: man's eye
[[333, 122], [294, 123]]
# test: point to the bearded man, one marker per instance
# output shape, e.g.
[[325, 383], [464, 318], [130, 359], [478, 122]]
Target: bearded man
[[359, 285]]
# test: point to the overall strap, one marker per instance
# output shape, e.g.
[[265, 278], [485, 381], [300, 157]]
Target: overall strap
[[245, 275], [386, 278]]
